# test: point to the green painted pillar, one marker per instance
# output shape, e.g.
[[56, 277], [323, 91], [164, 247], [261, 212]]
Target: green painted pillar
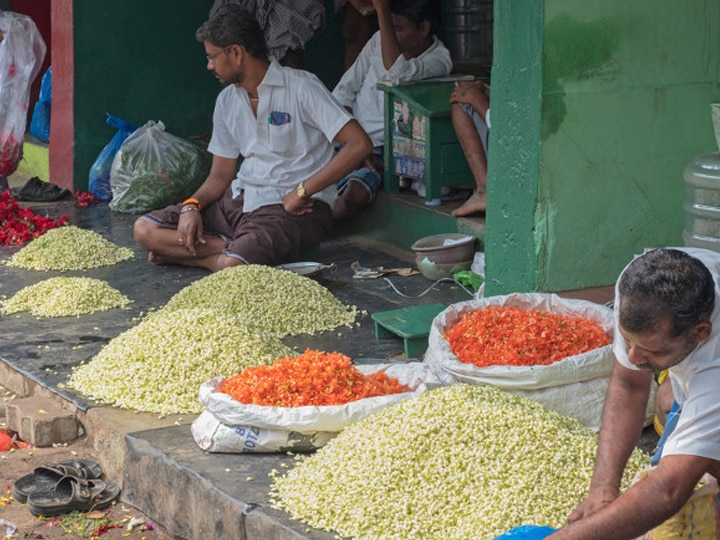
[[511, 256]]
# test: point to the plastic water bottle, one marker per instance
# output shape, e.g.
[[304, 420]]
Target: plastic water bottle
[[702, 202]]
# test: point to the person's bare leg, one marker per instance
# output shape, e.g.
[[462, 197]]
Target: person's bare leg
[[164, 248], [354, 198], [477, 160]]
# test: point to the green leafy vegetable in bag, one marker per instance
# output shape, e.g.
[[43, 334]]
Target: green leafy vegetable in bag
[[154, 168]]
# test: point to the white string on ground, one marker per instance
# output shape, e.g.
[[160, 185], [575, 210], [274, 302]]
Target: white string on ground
[[471, 293]]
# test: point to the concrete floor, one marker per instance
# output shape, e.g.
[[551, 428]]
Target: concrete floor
[[195, 495], [150, 455]]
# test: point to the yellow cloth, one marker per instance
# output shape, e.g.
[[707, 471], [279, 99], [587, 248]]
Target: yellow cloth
[[659, 428]]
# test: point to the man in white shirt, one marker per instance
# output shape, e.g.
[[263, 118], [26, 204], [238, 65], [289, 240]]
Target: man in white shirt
[[404, 49], [667, 316], [284, 123]]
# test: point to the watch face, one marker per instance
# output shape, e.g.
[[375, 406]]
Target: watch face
[[301, 190]]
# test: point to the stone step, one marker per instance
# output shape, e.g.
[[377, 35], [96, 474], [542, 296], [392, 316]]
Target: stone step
[[197, 495], [42, 421]]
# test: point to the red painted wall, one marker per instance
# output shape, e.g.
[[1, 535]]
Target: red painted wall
[[62, 125]]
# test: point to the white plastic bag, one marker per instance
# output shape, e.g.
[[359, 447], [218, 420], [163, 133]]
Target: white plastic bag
[[229, 426], [574, 386], [153, 169], [22, 52]]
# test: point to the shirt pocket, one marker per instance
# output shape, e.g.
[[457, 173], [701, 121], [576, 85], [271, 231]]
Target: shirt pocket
[[280, 139]]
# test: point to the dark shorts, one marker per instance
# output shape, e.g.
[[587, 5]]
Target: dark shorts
[[370, 177], [268, 235]]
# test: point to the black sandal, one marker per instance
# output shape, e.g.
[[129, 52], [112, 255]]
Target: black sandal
[[45, 478], [35, 190], [73, 495]]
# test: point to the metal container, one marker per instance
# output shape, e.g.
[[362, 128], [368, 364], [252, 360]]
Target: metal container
[[442, 255], [468, 30], [702, 202]]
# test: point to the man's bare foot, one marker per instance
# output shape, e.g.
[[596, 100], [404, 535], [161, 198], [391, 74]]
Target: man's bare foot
[[475, 204], [157, 259]]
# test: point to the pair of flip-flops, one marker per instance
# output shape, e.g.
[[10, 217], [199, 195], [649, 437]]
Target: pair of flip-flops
[[35, 190], [68, 486]]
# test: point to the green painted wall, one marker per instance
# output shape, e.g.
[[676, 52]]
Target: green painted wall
[[139, 60], [624, 90]]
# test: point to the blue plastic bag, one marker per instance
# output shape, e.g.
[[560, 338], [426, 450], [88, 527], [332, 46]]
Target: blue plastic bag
[[99, 177], [527, 532], [40, 123]]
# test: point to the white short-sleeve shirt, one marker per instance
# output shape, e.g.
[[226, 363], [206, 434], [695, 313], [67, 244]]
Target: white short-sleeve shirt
[[358, 90], [289, 140], [695, 381]]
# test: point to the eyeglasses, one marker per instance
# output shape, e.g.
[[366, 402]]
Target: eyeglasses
[[211, 57]]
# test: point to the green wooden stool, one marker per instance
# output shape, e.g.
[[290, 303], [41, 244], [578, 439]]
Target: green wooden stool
[[412, 324]]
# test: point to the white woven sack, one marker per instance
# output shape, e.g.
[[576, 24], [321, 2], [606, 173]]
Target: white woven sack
[[574, 386], [310, 419], [212, 435]]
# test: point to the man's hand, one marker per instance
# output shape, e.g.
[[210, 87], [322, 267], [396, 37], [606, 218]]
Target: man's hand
[[593, 503], [190, 231], [294, 204], [471, 93]]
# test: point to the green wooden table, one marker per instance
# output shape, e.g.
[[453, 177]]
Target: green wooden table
[[420, 140]]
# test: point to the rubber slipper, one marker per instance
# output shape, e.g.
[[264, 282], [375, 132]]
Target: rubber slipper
[[85, 469], [44, 478], [35, 190], [70, 495]]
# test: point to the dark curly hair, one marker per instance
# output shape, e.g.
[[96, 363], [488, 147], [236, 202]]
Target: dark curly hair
[[233, 25], [418, 11], [665, 283]]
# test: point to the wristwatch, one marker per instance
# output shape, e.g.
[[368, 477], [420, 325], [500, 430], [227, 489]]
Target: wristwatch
[[301, 190]]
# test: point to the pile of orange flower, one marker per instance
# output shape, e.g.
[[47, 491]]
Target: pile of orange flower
[[313, 378], [510, 336]]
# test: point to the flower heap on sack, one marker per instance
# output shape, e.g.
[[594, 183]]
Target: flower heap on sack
[[510, 336], [313, 378], [19, 225]]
